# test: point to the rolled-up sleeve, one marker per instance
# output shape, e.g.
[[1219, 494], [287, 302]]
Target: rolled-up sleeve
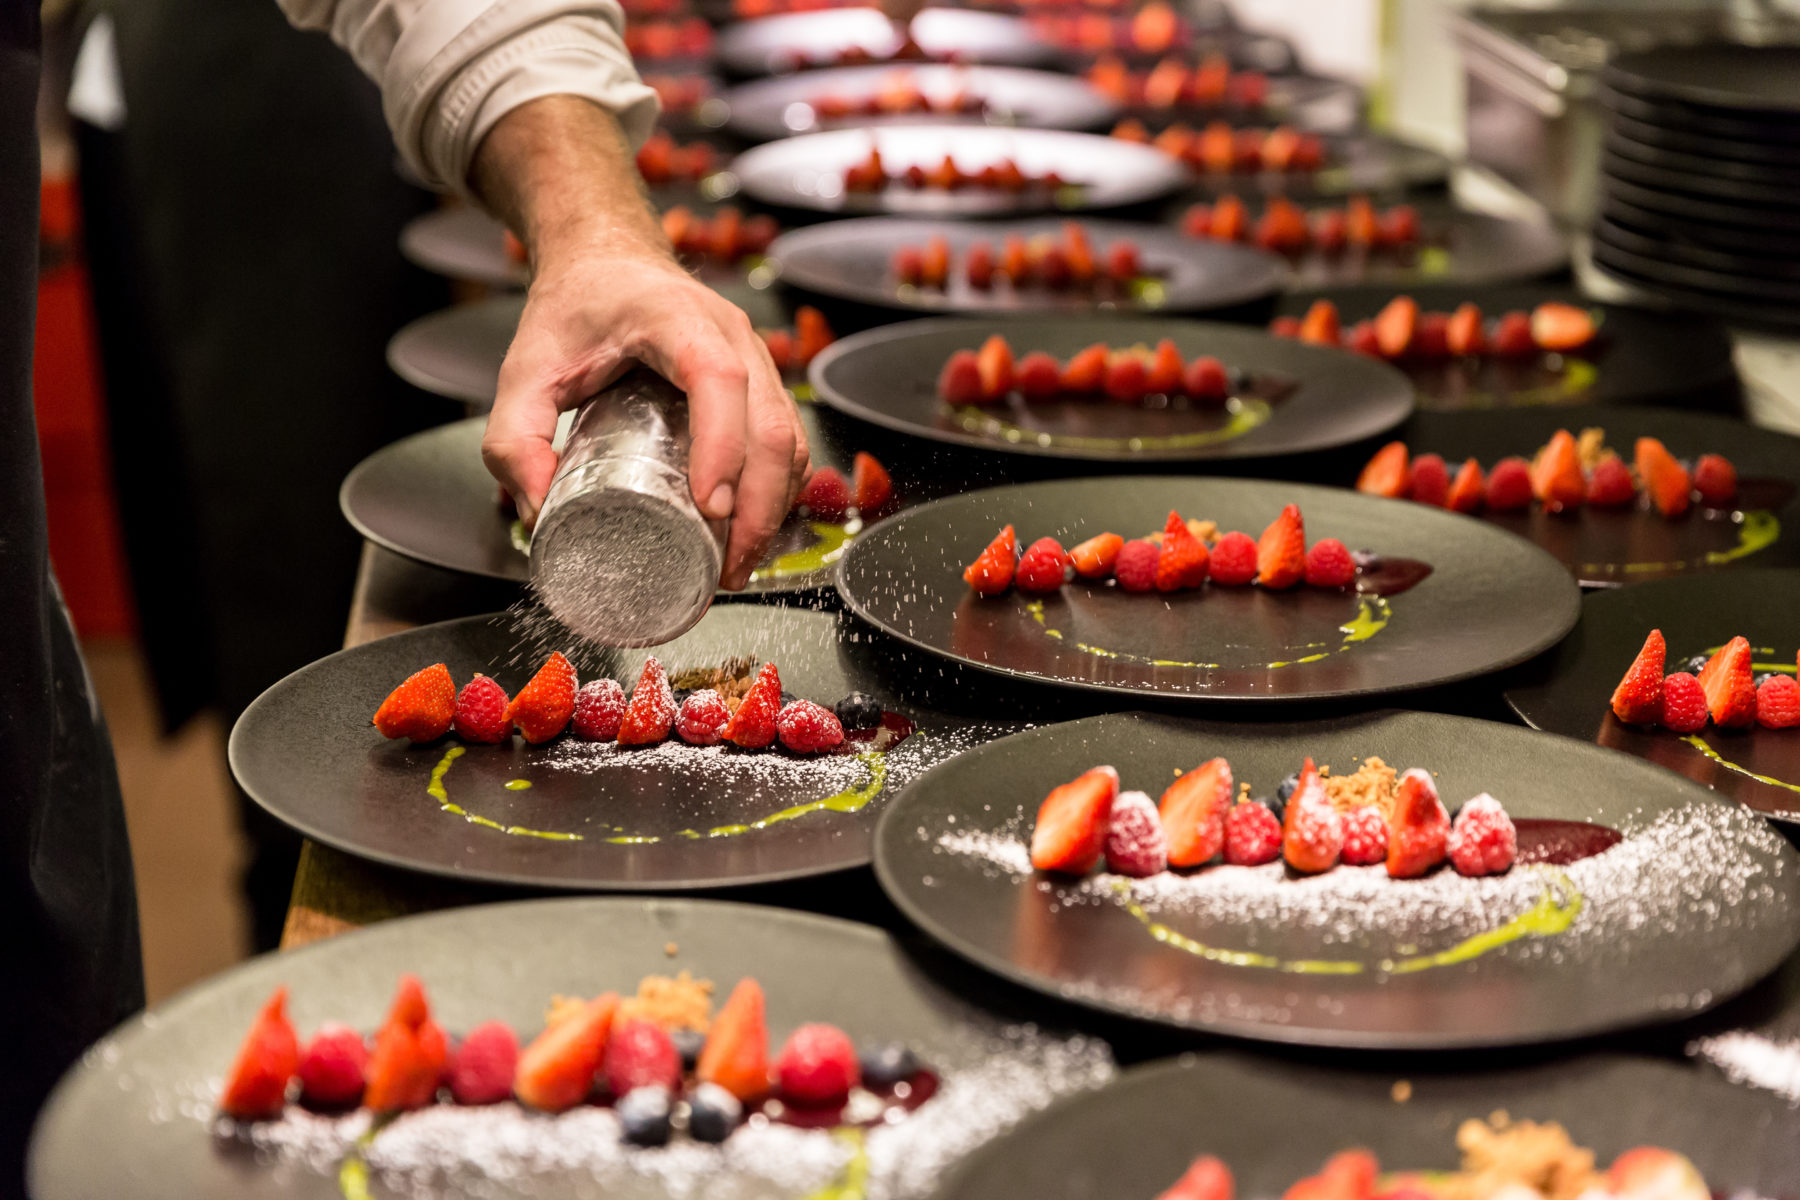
[[449, 69]]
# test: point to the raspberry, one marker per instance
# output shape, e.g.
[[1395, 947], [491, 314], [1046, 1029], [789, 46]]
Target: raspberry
[[599, 707], [1252, 835], [1234, 559], [826, 495], [1043, 568], [331, 1070], [817, 1067], [481, 712], [1136, 568], [807, 728], [481, 1071], [1329, 565], [640, 1054], [1683, 703], [1365, 837], [1778, 702], [702, 719], [1135, 843], [1482, 840], [1509, 485]]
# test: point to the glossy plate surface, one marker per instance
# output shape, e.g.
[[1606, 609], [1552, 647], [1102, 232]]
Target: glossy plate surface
[[773, 45]]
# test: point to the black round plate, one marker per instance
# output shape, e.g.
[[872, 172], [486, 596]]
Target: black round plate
[[1761, 80], [463, 243], [1352, 958], [1641, 356], [1327, 398], [767, 109], [1705, 121], [428, 497], [1726, 303], [1617, 251], [773, 45], [1779, 199], [1643, 133], [1763, 175], [1312, 102], [1608, 548], [305, 750], [807, 172], [457, 353], [135, 1118], [1752, 220], [1679, 252], [1572, 694], [852, 260], [1239, 645], [1274, 1122], [1700, 234], [1354, 162]]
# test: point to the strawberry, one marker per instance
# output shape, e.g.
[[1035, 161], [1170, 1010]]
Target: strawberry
[[1165, 372], [1361, 224], [1430, 480], [1684, 704], [1320, 326], [1073, 821], [556, 1072], [1079, 252], [1512, 337], [873, 487], [332, 1069], [1312, 831], [1329, 565], [1136, 566], [1043, 568], [1351, 1174], [1196, 222], [736, 1054], [1418, 827], [1609, 484], [1205, 380], [1561, 327], [1281, 551], [1467, 488], [1182, 564], [256, 1086], [483, 1067], [1205, 1179], [1230, 219], [1388, 474], [639, 1053], [651, 712], [481, 712], [1285, 327], [1329, 230], [1509, 486], [817, 1067], [1665, 479], [979, 265], [1400, 225], [1716, 480], [826, 495], [1730, 685], [1039, 377], [1282, 228], [960, 380], [811, 334], [543, 707], [1094, 558], [1131, 130], [1556, 477], [780, 345], [1395, 325], [934, 262], [410, 1053], [1053, 268], [1085, 373], [1193, 813], [1778, 702], [1123, 261], [421, 708], [1233, 561], [1638, 698], [1015, 259], [752, 726], [1464, 334], [992, 571], [995, 360], [1127, 382]]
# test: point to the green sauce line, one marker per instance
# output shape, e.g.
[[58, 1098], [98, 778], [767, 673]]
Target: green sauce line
[[1699, 743], [1372, 616], [1244, 415]]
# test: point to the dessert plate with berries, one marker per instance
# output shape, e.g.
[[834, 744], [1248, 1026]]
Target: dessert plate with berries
[[1281, 160], [953, 170], [560, 1049], [1046, 265], [760, 745], [765, 109], [1391, 879], [1694, 673], [428, 497], [1520, 346], [1207, 590], [1206, 88], [1215, 1126], [845, 37], [1109, 388], [1618, 495]]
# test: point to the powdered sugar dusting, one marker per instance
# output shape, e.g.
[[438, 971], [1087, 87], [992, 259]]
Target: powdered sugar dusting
[[1757, 1061]]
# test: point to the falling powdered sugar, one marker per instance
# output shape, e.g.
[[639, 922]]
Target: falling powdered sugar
[[1754, 1060]]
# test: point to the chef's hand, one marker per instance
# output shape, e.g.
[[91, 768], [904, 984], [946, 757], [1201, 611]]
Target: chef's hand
[[606, 294]]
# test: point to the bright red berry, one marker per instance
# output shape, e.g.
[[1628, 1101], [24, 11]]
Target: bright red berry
[[1610, 485], [1778, 702], [599, 707], [331, 1069], [1683, 703], [1043, 568], [1716, 481], [1252, 835], [421, 708], [702, 718], [544, 706], [807, 728], [483, 1067], [1509, 486], [817, 1067], [651, 713], [1329, 565], [1233, 559], [1482, 839], [1136, 843], [1136, 568], [826, 495], [481, 711], [1430, 480], [1365, 837], [640, 1053]]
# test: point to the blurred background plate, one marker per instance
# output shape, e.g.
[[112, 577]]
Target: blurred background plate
[[774, 45]]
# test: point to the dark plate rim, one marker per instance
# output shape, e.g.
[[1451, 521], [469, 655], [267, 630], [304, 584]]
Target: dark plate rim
[[1625, 72]]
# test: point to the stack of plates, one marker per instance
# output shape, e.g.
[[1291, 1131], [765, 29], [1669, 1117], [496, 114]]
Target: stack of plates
[[1701, 178]]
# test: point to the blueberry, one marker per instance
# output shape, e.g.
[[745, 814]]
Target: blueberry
[[1287, 787], [1274, 804], [885, 1065], [681, 695], [788, 698], [688, 1044], [1765, 675], [713, 1113], [1694, 665], [644, 1112], [859, 710]]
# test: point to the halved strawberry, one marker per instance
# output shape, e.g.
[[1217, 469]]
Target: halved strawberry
[[1193, 813], [421, 708], [1165, 371], [1638, 698], [1281, 551], [960, 380], [543, 707], [556, 1072], [1078, 252], [811, 334], [1430, 480], [1320, 325], [995, 360], [1388, 474], [1181, 566], [1362, 225], [1464, 334], [1205, 1179], [1094, 558], [1015, 259], [1043, 568], [651, 712], [1664, 478], [1086, 372], [1609, 484], [1072, 823], [1038, 376], [1312, 830], [826, 495], [992, 571], [752, 726], [256, 1086], [1467, 488], [1730, 685], [1716, 480], [1395, 325], [873, 486], [410, 1053], [1561, 327], [1418, 827], [934, 262], [1230, 219], [1556, 478]]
